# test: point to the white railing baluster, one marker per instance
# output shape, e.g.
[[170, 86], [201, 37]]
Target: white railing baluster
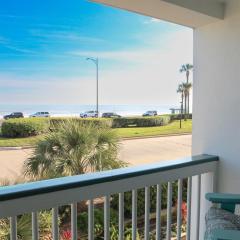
[[30, 198], [55, 228], [35, 234], [13, 228], [169, 211], [107, 218], [189, 204], [134, 214], [179, 210], [74, 221], [198, 206], [90, 220], [158, 212], [147, 212], [121, 216]]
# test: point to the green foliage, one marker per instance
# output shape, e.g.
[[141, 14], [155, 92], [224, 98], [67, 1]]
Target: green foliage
[[179, 116], [118, 122], [27, 127], [24, 127], [99, 225], [101, 122], [153, 195], [73, 149], [24, 231], [98, 220], [140, 121]]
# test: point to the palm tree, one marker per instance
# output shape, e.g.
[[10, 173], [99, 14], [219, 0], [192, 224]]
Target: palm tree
[[74, 148], [184, 89], [187, 68]]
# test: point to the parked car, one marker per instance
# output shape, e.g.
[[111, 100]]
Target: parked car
[[89, 114], [110, 115], [40, 114], [14, 115], [150, 114]]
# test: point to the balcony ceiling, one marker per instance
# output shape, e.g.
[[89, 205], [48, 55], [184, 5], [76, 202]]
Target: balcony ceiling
[[191, 13]]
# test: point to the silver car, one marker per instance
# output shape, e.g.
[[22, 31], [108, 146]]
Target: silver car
[[89, 114], [40, 114]]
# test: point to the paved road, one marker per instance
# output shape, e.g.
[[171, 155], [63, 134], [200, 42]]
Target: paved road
[[135, 152], [149, 150]]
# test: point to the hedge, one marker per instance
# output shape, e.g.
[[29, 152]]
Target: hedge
[[24, 127], [120, 122], [179, 116], [140, 121], [96, 121]]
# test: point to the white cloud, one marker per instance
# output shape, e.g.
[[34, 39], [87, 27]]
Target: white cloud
[[63, 36], [144, 76], [153, 20]]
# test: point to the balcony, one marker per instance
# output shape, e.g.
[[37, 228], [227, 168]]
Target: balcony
[[52, 194]]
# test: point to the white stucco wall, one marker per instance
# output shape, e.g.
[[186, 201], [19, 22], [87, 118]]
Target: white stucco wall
[[216, 102]]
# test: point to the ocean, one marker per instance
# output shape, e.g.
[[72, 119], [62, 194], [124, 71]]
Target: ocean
[[75, 110]]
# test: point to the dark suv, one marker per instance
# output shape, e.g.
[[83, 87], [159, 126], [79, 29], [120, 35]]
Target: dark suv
[[110, 115], [14, 115]]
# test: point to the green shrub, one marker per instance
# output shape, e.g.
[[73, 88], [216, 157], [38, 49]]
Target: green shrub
[[99, 225], [102, 122], [98, 221], [24, 127], [24, 231], [73, 149], [153, 195], [140, 121], [179, 116]]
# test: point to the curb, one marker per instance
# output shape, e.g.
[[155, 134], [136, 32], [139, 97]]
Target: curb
[[156, 136], [14, 148], [124, 139]]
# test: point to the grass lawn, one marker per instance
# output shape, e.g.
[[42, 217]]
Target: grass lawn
[[172, 128], [18, 142]]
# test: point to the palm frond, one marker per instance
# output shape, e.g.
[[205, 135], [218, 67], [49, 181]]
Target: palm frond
[[74, 148]]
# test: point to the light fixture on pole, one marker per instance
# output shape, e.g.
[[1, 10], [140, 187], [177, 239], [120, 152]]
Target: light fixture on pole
[[95, 61]]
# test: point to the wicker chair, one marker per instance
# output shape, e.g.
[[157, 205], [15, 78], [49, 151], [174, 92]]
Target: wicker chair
[[221, 222]]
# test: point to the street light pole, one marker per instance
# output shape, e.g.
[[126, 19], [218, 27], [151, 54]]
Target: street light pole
[[181, 111], [95, 61]]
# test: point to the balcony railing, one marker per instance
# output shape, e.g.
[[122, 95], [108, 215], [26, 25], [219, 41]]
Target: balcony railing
[[51, 194]]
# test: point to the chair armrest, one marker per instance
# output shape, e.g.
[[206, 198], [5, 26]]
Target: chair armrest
[[223, 198], [221, 234]]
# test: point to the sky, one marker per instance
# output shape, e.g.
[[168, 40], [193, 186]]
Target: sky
[[44, 45]]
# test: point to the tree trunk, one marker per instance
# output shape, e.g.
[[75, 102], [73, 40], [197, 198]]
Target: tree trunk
[[187, 77], [185, 107]]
